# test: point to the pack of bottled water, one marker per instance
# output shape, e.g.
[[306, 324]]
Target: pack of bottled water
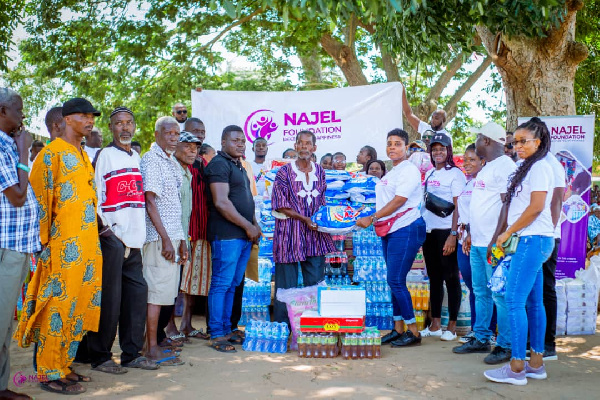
[[369, 268], [257, 295], [366, 243], [380, 315], [266, 337], [338, 280]]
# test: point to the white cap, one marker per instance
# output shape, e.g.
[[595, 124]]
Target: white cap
[[493, 131]]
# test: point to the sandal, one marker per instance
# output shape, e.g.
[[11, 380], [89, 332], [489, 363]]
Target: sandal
[[78, 377], [236, 338], [170, 362], [198, 334], [63, 387], [142, 363], [223, 346], [180, 337], [110, 367]]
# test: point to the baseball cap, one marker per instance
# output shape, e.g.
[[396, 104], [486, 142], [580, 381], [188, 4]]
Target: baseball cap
[[493, 131], [440, 138], [419, 143], [187, 137], [78, 105]]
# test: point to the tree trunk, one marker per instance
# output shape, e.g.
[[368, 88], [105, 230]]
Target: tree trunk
[[344, 58], [311, 67], [538, 74]]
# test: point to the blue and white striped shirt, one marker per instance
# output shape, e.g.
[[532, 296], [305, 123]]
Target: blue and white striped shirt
[[19, 226]]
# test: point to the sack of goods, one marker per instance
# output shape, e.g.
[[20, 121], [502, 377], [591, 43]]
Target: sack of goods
[[582, 307], [336, 220], [561, 308], [298, 301]]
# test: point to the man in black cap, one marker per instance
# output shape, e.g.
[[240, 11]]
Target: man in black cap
[[63, 180], [121, 215]]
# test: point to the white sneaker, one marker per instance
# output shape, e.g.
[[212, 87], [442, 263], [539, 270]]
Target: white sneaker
[[448, 336], [426, 332], [467, 337]]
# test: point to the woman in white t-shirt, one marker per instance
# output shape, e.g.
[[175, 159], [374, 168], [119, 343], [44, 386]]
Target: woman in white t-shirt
[[446, 182], [398, 196], [472, 165], [528, 199]]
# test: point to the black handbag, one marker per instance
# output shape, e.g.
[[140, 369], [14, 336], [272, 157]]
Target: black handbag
[[437, 205]]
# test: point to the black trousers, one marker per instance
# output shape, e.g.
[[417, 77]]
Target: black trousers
[[549, 269], [124, 303], [286, 277], [442, 269]]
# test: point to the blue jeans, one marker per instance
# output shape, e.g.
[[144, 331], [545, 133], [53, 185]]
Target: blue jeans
[[399, 251], [525, 286], [464, 264], [229, 259], [481, 272]]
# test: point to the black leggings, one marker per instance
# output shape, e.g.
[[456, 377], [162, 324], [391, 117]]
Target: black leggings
[[442, 269]]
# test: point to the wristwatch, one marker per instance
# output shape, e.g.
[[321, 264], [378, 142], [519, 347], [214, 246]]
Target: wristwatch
[[374, 219], [454, 233]]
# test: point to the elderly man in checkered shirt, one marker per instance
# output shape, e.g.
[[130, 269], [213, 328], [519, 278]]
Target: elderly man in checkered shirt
[[20, 227]]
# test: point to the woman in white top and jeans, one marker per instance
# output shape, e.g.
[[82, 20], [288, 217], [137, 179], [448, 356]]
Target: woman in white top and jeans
[[446, 181], [398, 196], [528, 199]]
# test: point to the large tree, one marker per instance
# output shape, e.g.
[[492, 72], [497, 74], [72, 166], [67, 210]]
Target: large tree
[[149, 54]]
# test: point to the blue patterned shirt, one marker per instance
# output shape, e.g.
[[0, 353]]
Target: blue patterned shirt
[[19, 226]]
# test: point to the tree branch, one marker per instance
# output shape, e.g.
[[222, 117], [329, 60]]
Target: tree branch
[[389, 66], [367, 27], [345, 59], [451, 105], [350, 35], [228, 28], [445, 78]]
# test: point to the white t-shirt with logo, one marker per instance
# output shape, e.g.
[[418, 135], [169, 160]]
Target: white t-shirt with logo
[[260, 171], [559, 181], [424, 126], [447, 184], [486, 202], [403, 180], [539, 179], [464, 202]]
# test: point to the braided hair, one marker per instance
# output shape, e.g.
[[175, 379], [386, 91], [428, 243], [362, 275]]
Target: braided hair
[[540, 131]]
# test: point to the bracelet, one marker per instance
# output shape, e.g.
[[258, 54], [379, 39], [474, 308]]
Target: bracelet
[[23, 167]]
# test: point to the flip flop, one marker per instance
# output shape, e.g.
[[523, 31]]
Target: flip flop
[[236, 337], [167, 342], [198, 334], [180, 337], [142, 363], [170, 362], [110, 367], [222, 346]]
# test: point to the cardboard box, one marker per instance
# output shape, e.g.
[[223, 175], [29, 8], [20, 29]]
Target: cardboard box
[[341, 301], [311, 321]]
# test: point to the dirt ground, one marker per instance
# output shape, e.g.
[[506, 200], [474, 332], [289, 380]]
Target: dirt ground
[[427, 371]]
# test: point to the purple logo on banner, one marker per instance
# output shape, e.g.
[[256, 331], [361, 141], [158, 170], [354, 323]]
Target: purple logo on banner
[[260, 124]]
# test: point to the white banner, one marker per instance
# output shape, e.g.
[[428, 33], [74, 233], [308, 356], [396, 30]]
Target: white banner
[[343, 119], [573, 145]]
